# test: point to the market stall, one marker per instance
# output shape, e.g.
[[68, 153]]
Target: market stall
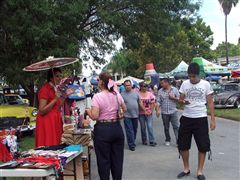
[[180, 72], [133, 79], [44, 163], [210, 68], [76, 139]]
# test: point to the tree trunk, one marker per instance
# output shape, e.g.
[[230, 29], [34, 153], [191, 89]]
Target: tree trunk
[[226, 41], [30, 92]]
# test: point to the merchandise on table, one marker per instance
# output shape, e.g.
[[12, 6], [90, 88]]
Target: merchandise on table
[[8, 145]]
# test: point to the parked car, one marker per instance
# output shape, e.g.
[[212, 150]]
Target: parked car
[[16, 99], [228, 96], [16, 114], [216, 87]]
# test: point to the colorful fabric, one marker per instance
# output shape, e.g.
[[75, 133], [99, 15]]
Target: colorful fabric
[[147, 101], [5, 155]]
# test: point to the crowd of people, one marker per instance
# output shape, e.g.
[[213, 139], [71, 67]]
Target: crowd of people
[[138, 106]]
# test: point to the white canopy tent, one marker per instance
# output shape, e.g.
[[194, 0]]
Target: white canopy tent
[[121, 81], [181, 67]]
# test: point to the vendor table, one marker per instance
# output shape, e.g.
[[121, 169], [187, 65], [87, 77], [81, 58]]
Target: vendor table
[[21, 172]]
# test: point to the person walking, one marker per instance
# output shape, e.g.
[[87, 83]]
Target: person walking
[[195, 93], [132, 101], [108, 132], [167, 98], [145, 115]]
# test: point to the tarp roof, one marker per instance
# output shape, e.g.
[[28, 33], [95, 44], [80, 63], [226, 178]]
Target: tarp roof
[[181, 67], [121, 81]]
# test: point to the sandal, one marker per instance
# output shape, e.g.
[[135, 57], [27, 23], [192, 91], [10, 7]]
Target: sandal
[[201, 177], [182, 174]]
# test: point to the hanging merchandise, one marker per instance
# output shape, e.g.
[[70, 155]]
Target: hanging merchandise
[[79, 89], [72, 88]]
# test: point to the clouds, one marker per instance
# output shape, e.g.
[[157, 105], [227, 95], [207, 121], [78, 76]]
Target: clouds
[[213, 15]]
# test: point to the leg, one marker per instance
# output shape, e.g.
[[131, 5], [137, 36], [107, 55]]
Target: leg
[[166, 120], [185, 157], [174, 122], [103, 151], [201, 160], [201, 136], [143, 128], [129, 132], [184, 141], [135, 127], [117, 153], [150, 129]]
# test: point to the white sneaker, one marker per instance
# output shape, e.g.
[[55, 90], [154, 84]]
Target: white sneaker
[[167, 143]]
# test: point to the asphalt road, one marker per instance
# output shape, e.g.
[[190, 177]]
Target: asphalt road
[[163, 163]]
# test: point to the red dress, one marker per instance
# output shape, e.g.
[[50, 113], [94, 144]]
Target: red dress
[[49, 127]]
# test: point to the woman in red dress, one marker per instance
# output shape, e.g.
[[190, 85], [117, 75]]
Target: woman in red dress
[[49, 121]]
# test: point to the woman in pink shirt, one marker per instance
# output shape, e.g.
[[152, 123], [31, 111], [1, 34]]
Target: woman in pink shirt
[[108, 133], [145, 116]]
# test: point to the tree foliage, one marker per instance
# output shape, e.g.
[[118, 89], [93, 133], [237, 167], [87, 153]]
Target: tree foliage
[[187, 41], [234, 50], [159, 31], [227, 6]]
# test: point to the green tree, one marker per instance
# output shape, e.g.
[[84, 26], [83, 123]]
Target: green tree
[[123, 62], [33, 30], [233, 50], [227, 6]]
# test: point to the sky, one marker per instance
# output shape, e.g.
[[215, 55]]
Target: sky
[[213, 15]]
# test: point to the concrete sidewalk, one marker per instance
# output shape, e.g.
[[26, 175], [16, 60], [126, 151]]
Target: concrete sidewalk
[[163, 163]]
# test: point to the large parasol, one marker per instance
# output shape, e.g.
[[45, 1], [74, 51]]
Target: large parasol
[[49, 63]]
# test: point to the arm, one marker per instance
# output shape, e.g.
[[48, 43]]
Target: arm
[[182, 100], [211, 108], [175, 96], [141, 105], [157, 109], [45, 107], [124, 108], [152, 106], [93, 112]]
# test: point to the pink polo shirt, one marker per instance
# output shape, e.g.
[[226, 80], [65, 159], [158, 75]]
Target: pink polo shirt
[[107, 104]]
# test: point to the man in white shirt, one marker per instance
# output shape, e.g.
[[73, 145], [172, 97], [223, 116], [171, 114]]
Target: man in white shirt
[[195, 94]]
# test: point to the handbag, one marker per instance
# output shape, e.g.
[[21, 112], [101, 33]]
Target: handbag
[[79, 90], [119, 111]]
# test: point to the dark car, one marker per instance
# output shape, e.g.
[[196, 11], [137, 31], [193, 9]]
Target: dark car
[[228, 96]]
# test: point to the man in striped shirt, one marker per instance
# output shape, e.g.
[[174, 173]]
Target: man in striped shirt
[[167, 98]]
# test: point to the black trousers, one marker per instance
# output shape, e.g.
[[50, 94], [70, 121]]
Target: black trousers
[[109, 148]]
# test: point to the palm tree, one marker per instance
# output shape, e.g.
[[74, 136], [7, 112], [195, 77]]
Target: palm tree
[[227, 6]]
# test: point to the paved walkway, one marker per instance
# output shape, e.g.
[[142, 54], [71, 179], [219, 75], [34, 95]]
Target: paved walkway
[[162, 163]]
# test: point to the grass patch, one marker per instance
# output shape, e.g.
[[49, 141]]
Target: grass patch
[[233, 114], [26, 143], [229, 113]]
